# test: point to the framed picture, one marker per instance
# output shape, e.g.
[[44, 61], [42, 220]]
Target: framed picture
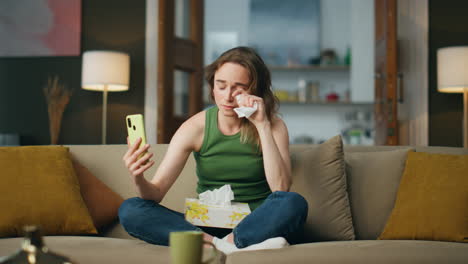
[[285, 32], [40, 28]]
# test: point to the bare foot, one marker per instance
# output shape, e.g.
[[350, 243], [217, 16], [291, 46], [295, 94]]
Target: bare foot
[[230, 238], [208, 238]]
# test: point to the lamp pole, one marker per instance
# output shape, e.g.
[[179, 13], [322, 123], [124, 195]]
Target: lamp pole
[[465, 117], [104, 115], [105, 71]]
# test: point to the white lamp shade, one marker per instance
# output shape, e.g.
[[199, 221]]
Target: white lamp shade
[[452, 69], [105, 68]]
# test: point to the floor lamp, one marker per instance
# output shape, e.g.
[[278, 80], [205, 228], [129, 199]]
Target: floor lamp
[[105, 71], [452, 77]]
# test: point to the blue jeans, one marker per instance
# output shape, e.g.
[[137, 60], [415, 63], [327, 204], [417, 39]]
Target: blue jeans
[[282, 214]]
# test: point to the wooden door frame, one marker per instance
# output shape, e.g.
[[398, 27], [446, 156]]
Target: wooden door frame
[[388, 102], [189, 58]]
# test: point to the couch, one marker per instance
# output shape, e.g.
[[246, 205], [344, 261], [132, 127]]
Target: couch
[[114, 245]]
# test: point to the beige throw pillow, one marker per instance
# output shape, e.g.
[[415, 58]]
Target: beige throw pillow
[[319, 176], [373, 179]]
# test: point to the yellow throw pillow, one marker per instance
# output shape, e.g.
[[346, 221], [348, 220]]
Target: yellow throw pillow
[[432, 199], [38, 186]]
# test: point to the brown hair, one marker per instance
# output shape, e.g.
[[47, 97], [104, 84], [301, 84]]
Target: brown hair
[[260, 85]]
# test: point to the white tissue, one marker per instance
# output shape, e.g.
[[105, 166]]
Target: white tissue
[[244, 111], [221, 196]]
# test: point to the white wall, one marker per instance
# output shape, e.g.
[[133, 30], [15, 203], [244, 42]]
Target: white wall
[[226, 26], [151, 74], [362, 50], [233, 16], [335, 27], [225, 16]]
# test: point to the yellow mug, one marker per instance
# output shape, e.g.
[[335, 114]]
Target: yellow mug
[[186, 247]]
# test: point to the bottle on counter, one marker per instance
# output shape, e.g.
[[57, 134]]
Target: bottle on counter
[[347, 58], [302, 91]]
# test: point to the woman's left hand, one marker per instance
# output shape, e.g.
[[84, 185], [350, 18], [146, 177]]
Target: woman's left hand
[[258, 118]]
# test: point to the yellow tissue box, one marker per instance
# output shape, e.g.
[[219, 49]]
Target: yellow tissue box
[[201, 214]]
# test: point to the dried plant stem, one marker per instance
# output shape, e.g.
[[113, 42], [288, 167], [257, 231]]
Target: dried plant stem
[[57, 98]]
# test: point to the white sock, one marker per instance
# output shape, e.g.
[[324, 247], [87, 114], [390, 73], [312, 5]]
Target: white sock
[[224, 246], [271, 243]]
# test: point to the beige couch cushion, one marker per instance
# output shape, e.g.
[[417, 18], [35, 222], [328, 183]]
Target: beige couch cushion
[[105, 162], [319, 176], [373, 179], [358, 252]]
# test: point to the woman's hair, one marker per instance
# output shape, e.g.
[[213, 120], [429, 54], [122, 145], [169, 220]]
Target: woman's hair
[[260, 85]]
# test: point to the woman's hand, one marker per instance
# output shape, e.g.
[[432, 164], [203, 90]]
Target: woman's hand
[[137, 166], [258, 118]]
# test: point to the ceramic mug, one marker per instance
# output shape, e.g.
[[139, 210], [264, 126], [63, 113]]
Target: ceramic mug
[[187, 247]]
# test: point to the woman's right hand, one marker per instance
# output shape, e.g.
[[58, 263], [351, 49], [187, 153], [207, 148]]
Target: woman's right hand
[[137, 166]]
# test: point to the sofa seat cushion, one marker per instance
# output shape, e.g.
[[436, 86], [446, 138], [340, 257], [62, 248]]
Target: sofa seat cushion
[[359, 251], [97, 250]]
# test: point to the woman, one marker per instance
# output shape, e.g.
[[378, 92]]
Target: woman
[[252, 155]]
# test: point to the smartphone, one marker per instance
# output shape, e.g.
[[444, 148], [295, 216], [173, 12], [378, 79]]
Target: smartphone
[[136, 129]]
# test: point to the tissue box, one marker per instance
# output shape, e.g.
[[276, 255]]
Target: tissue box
[[201, 214]]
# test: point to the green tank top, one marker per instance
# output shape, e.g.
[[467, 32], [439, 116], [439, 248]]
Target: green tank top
[[225, 160]]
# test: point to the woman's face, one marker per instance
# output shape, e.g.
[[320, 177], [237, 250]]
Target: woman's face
[[229, 78]]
